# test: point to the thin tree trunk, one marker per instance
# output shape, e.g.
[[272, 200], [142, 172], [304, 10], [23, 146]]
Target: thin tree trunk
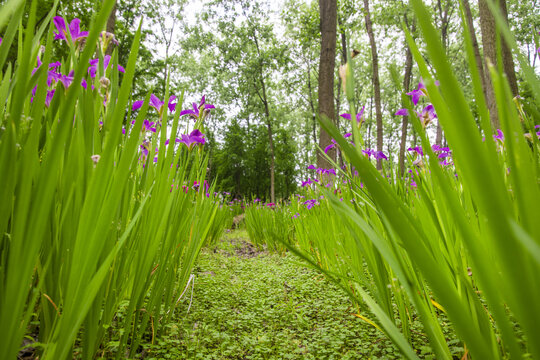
[[111, 22], [476, 48], [312, 106], [338, 98], [508, 61], [264, 100], [489, 42], [328, 15], [405, 123], [376, 84], [445, 21]]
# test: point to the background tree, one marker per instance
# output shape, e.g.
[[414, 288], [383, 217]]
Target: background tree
[[375, 79], [327, 61], [489, 42]]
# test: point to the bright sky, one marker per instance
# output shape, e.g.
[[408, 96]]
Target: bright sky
[[194, 7]]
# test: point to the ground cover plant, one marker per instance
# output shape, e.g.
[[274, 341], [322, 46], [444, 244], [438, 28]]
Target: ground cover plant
[[110, 192], [251, 303]]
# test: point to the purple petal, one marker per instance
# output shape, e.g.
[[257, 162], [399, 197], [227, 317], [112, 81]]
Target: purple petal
[[75, 28], [155, 102], [326, 149], [346, 116], [402, 112], [137, 105], [60, 24], [55, 65], [189, 112], [172, 104], [106, 61], [48, 99], [360, 114]]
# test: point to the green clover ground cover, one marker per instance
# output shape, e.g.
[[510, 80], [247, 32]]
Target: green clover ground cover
[[249, 304]]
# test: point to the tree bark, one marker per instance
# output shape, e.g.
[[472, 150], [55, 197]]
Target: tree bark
[[343, 37], [508, 61], [264, 100], [405, 123], [328, 17], [312, 106], [489, 42], [445, 22], [476, 48], [375, 78], [111, 22]]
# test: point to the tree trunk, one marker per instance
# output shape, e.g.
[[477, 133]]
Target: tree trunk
[[489, 41], [111, 22], [405, 123], [376, 84], [343, 37], [264, 100], [445, 22], [312, 106], [328, 16], [508, 61], [476, 48]]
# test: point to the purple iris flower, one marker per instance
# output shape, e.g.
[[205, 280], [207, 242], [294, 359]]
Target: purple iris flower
[[75, 32], [52, 73], [311, 167], [148, 126], [92, 70], [155, 102], [402, 112], [380, 155], [376, 154], [66, 80], [359, 116], [327, 171], [416, 93], [427, 115], [195, 137], [48, 98], [0, 41], [369, 152], [172, 103], [417, 150], [499, 136], [310, 203], [331, 146], [145, 148], [84, 84], [137, 105], [200, 111]]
